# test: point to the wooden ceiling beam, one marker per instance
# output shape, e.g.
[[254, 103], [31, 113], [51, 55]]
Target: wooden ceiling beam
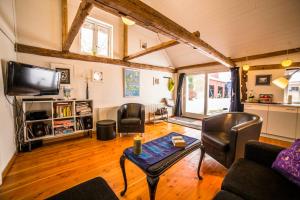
[[74, 56], [151, 19], [125, 40], [158, 47], [152, 49], [83, 11], [64, 21], [272, 66], [241, 59], [267, 55], [198, 65]]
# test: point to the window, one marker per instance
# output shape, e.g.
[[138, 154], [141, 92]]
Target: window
[[220, 92], [96, 38], [211, 91], [294, 85]]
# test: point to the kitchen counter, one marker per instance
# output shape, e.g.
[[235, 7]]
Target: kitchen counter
[[280, 120], [272, 104]]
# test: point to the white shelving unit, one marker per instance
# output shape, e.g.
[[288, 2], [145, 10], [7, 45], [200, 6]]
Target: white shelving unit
[[51, 107]]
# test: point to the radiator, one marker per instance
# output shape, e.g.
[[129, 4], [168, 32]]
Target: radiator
[[111, 112]]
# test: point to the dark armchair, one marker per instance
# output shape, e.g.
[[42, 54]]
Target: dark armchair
[[131, 118], [224, 136]]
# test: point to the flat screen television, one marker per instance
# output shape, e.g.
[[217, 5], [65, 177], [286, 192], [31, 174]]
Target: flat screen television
[[28, 80]]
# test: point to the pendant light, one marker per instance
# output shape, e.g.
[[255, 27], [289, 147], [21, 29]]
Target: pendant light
[[283, 81], [127, 21], [246, 66], [287, 62]]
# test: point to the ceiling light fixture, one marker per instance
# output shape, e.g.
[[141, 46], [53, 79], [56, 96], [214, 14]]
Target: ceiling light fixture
[[287, 62], [246, 66], [127, 21], [283, 81]]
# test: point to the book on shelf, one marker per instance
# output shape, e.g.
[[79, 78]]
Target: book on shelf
[[64, 126], [63, 109], [80, 124], [38, 129], [83, 108], [64, 123], [84, 123], [178, 141], [63, 130]]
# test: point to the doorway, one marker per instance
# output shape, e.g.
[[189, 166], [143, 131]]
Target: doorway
[[194, 96], [206, 94]]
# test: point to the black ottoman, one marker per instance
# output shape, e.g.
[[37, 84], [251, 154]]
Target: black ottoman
[[94, 189], [106, 129]]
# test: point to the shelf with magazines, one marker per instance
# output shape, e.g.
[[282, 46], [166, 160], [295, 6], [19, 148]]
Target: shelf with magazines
[[56, 118], [84, 115]]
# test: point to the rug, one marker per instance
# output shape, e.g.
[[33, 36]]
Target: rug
[[157, 150], [188, 122]]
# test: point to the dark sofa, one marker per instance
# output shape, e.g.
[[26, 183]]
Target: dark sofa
[[252, 177]]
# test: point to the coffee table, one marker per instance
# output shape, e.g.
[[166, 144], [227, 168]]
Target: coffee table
[[166, 158]]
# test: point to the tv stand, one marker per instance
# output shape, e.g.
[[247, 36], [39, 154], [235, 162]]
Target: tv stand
[[66, 117], [38, 99]]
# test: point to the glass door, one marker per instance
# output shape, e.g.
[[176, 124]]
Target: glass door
[[218, 98], [206, 94], [194, 96]]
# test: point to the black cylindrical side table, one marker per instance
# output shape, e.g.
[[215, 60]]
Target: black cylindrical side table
[[106, 129]]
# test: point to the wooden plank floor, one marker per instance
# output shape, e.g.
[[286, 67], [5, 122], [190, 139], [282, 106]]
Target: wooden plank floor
[[53, 168]]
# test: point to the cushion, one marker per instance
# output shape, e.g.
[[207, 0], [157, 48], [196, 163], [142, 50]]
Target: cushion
[[251, 180], [224, 195], [131, 121], [133, 110], [94, 189], [219, 140], [288, 163]]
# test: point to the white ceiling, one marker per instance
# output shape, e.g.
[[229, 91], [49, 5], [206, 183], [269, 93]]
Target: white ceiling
[[236, 28]]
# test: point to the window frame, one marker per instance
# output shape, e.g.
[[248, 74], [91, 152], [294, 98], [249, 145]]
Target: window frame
[[286, 90], [220, 89], [97, 23], [211, 88]]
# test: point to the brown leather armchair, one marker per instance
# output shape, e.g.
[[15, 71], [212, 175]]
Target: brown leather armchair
[[131, 118], [224, 136]]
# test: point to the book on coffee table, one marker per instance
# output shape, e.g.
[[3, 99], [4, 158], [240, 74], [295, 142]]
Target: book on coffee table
[[178, 141]]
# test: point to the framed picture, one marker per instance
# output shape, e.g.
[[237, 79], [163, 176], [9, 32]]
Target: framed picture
[[64, 75], [131, 80], [66, 72], [263, 79], [155, 81], [97, 77]]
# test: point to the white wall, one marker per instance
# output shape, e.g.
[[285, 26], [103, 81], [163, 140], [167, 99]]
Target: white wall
[[39, 24], [136, 35], [110, 92], [7, 135], [102, 16], [278, 94]]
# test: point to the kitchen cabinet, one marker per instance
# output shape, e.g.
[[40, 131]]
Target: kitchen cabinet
[[298, 125], [282, 121], [260, 110]]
